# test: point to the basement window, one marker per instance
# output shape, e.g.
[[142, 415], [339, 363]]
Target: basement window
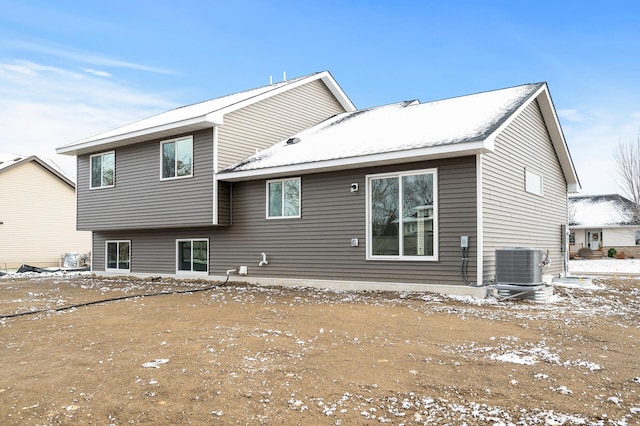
[[118, 256], [192, 256]]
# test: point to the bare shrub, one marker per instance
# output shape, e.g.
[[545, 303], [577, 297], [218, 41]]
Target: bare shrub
[[585, 253]]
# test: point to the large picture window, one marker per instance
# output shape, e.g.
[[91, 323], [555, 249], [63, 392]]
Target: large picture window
[[192, 256], [103, 170], [177, 158], [118, 256], [402, 216], [283, 198]]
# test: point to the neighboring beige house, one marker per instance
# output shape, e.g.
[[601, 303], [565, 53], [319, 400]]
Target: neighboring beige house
[[37, 214]]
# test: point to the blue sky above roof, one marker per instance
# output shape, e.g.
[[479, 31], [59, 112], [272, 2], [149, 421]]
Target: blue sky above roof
[[72, 69]]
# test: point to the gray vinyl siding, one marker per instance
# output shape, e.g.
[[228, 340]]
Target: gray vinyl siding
[[152, 251], [267, 122], [318, 244], [140, 199], [224, 203], [513, 217]]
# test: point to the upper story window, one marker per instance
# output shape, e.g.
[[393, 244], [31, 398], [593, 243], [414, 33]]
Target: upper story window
[[283, 198], [177, 158], [103, 170], [402, 212], [533, 182]]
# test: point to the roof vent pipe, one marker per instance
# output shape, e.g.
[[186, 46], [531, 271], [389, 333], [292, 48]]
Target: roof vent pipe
[[284, 76], [293, 141]]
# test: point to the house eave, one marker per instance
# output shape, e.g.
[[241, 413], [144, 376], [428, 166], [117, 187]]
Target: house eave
[[599, 225], [194, 123], [157, 132], [370, 160], [58, 174]]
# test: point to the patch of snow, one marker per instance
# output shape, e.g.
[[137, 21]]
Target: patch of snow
[[514, 358], [155, 363], [605, 266]]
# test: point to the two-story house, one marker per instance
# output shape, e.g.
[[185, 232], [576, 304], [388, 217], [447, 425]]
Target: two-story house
[[290, 184]]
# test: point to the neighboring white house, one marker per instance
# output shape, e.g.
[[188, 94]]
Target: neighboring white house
[[601, 222], [37, 214]]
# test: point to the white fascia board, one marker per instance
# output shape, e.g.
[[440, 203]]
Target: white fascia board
[[600, 226], [183, 126], [371, 160], [557, 138], [337, 91], [324, 76]]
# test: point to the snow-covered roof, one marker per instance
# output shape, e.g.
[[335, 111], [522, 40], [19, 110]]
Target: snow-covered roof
[[196, 116], [8, 160], [602, 211], [404, 131]]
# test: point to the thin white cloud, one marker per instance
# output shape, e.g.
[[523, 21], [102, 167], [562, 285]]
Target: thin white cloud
[[77, 55], [43, 107], [593, 142], [570, 114], [96, 72]]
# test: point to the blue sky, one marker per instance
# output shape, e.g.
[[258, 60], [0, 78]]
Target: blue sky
[[72, 69]]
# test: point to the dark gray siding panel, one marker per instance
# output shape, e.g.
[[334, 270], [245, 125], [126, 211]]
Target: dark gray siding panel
[[512, 216], [152, 251], [224, 203], [140, 199], [318, 245]]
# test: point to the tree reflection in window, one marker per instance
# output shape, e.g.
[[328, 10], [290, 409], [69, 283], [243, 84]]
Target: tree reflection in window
[[402, 215], [177, 158]]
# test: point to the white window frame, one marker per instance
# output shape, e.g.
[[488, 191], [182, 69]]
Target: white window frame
[[282, 216], [175, 166], [106, 255], [102, 154], [533, 182], [369, 218], [190, 272]]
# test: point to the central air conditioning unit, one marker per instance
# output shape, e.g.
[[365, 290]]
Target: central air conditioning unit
[[519, 266]]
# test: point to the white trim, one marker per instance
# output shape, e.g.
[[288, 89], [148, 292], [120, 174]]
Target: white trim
[[175, 142], [479, 219], [200, 121], [177, 259], [215, 217], [101, 154], [369, 220], [267, 203], [557, 138], [106, 255], [371, 160]]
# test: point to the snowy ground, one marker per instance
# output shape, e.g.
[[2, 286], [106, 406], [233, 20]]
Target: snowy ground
[[605, 266], [248, 355]]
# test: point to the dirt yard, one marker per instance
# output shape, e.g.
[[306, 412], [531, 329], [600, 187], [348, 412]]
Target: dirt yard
[[239, 354]]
